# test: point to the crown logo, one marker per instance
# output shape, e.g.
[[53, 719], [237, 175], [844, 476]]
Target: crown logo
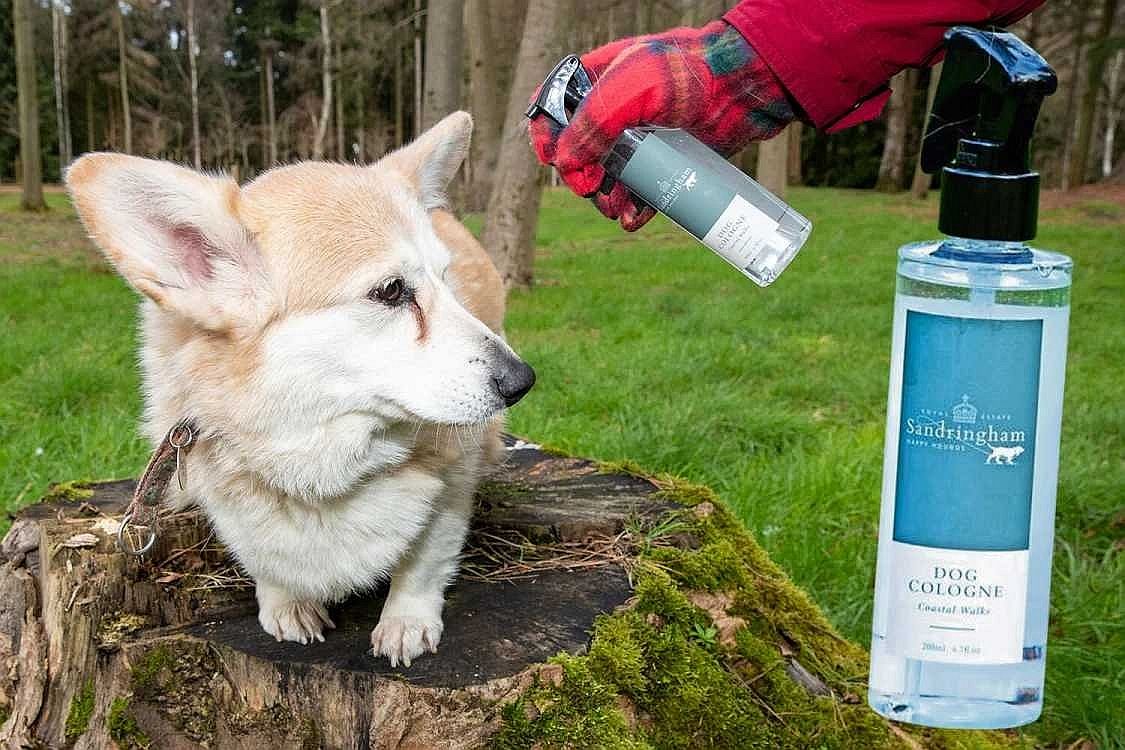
[[965, 412]]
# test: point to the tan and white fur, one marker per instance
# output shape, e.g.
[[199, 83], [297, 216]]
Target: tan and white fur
[[342, 428]]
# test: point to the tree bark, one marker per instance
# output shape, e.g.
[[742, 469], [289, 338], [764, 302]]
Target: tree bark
[[795, 130], [444, 31], [1071, 111], [91, 138], [400, 94], [773, 164], [326, 83], [418, 68], [1096, 60], [193, 53], [341, 137], [269, 48], [513, 206], [484, 102], [61, 82], [123, 78], [1112, 114], [31, 176], [920, 185], [360, 120], [892, 165]]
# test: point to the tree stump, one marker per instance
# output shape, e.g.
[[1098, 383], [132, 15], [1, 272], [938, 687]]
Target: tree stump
[[103, 650]]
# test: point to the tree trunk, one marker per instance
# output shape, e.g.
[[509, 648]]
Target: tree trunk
[[484, 101], [513, 206], [1112, 113], [773, 164], [444, 30], [418, 69], [61, 82], [31, 176], [123, 78], [892, 165], [795, 130], [193, 53], [400, 94], [360, 119], [269, 48], [326, 83], [920, 185], [1096, 60], [91, 138], [1076, 78], [228, 123], [341, 137]]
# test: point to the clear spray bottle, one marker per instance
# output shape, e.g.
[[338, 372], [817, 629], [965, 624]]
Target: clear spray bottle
[[959, 636], [675, 173]]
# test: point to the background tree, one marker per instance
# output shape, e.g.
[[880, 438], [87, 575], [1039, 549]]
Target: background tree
[[193, 53], [773, 163], [59, 44], [442, 83], [1101, 46], [920, 184], [30, 158], [513, 206], [892, 165]]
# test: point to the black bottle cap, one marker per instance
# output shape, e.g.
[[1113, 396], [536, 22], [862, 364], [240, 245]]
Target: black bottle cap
[[979, 134]]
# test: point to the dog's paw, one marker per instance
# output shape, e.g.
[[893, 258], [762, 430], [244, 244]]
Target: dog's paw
[[292, 620], [403, 638]]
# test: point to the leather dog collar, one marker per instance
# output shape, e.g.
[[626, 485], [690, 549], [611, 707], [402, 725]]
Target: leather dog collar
[[167, 460]]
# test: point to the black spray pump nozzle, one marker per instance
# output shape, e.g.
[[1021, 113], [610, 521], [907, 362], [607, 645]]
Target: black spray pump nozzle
[[979, 134], [562, 91]]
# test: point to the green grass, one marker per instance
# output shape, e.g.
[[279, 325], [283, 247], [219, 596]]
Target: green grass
[[651, 349]]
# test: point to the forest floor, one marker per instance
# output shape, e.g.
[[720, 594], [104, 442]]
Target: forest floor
[[650, 349]]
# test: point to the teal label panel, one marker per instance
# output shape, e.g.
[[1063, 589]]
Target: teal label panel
[[688, 192], [966, 452]]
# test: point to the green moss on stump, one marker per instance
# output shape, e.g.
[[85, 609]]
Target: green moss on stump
[[664, 673], [81, 708], [177, 681], [123, 728], [69, 492]]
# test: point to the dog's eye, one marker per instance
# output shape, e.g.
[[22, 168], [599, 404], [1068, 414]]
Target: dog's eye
[[390, 292]]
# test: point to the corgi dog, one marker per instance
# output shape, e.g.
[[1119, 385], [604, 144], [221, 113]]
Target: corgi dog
[[334, 333]]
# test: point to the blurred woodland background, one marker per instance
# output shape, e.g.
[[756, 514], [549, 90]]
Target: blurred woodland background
[[241, 85]]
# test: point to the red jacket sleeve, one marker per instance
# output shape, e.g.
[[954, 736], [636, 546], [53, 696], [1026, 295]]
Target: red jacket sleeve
[[835, 57]]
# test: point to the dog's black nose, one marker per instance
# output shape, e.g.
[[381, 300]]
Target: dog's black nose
[[514, 381]]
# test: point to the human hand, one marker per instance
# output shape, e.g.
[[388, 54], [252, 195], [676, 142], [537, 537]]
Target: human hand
[[708, 81]]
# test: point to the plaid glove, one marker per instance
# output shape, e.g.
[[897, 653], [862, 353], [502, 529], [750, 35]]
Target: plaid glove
[[708, 81]]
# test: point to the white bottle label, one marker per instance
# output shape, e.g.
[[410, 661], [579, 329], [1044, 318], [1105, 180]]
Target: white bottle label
[[741, 232], [957, 606]]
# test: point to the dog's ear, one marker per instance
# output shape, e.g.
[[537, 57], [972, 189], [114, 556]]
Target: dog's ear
[[430, 162], [174, 234]]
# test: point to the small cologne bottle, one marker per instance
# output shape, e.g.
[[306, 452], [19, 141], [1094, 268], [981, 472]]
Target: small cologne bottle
[[679, 176], [973, 415]]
